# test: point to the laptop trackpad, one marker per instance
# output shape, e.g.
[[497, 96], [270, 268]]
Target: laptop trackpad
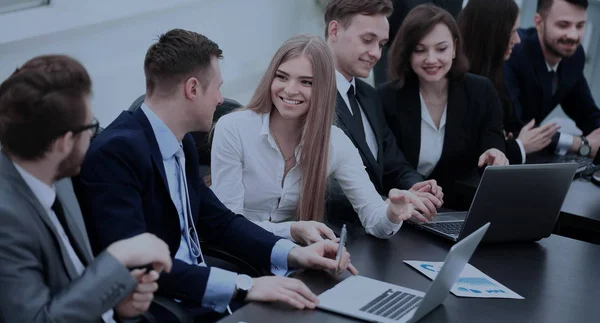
[[450, 216]]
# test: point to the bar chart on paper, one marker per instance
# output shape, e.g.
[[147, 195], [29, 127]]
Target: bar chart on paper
[[471, 282]]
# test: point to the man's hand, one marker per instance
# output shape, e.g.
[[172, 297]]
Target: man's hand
[[321, 256], [536, 139], [402, 205], [282, 289], [139, 301], [430, 194], [309, 232], [141, 250], [492, 157], [594, 140]]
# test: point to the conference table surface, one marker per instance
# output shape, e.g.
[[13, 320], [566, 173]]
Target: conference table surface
[[580, 213], [583, 200], [557, 276]]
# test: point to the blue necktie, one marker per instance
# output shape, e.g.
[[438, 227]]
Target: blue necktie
[[191, 235]]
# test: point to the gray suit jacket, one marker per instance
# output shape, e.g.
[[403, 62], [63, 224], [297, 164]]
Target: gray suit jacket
[[38, 282]]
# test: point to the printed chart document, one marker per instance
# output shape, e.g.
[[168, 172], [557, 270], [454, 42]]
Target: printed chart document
[[471, 282]]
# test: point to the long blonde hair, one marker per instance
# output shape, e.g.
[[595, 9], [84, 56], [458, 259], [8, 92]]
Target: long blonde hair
[[316, 129]]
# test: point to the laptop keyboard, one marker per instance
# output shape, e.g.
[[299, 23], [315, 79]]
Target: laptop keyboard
[[582, 162], [392, 304], [450, 228]]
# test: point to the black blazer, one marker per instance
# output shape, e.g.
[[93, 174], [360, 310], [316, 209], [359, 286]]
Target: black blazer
[[390, 169], [124, 192], [473, 125], [513, 151], [529, 86]]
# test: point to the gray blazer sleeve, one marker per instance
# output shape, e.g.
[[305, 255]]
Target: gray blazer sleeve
[[25, 295]]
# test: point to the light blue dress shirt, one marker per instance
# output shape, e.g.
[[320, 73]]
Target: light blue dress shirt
[[221, 283]]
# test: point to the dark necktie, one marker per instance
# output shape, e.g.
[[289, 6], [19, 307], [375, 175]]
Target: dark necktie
[[357, 117], [60, 214], [554, 77]]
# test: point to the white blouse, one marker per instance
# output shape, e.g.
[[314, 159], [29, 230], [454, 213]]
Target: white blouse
[[247, 171], [432, 140]]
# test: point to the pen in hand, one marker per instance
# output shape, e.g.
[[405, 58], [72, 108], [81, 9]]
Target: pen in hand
[[342, 242]]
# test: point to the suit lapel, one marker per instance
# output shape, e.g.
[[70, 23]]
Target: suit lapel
[[345, 118], [10, 173], [367, 103], [455, 120], [410, 120], [542, 75], [154, 149], [76, 227], [191, 162]]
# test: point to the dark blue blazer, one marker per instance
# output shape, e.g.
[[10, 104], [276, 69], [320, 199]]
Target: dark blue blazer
[[529, 86], [124, 192]]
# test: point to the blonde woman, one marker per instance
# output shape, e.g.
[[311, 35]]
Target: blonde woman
[[271, 160]]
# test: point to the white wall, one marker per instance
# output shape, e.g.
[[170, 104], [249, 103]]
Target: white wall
[[111, 41]]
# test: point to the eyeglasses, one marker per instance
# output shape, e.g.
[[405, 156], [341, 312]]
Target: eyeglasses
[[93, 127]]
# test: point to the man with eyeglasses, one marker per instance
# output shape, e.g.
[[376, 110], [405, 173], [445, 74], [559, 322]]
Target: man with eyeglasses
[[47, 272]]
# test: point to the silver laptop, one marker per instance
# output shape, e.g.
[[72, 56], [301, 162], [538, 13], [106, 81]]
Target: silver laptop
[[376, 301], [522, 201]]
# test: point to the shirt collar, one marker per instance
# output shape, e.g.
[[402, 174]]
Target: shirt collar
[[552, 68], [44, 193], [265, 130], [342, 83], [426, 116], [167, 142]]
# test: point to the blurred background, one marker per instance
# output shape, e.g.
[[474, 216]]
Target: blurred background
[[110, 37]]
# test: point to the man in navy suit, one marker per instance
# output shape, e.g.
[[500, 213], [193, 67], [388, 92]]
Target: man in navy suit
[[141, 175], [546, 70]]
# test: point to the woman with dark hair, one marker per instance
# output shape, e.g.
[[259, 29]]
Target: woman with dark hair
[[487, 45], [446, 121]]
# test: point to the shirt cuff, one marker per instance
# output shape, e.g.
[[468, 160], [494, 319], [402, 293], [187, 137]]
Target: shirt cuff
[[522, 149], [279, 257], [219, 289], [388, 227], [565, 141]]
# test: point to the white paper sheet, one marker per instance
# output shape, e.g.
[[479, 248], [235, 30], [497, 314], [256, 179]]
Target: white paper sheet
[[471, 282]]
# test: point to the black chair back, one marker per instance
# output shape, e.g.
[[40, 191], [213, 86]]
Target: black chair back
[[202, 138]]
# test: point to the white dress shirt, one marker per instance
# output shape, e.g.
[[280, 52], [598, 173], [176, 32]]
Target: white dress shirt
[[432, 140], [46, 196], [343, 86], [247, 172]]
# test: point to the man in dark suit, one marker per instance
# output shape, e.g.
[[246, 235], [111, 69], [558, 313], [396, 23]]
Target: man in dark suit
[[546, 70], [401, 10], [47, 272], [141, 175], [356, 32]]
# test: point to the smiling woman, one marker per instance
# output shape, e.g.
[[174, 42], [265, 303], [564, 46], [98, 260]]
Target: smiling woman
[[446, 122], [271, 160]]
